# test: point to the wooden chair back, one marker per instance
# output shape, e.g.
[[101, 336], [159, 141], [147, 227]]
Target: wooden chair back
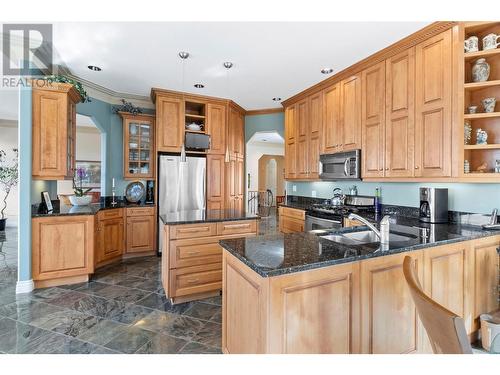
[[445, 329]]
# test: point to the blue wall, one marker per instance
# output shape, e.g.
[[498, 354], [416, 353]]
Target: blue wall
[[25, 196], [262, 123], [110, 125], [479, 198]]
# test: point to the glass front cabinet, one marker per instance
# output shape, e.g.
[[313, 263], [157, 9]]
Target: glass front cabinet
[[138, 146]]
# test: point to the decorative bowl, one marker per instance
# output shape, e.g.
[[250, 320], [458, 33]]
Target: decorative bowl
[[194, 126], [80, 201]]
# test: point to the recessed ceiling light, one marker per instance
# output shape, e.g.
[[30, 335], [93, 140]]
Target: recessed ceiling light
[[277, 99], [228, 65], [326, 70], [94, 68], [199, 85], [264, 140], [183, 55]]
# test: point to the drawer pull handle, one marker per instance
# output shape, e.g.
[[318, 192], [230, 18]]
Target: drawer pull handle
[[236, 226], [191, 230], [193, 281]]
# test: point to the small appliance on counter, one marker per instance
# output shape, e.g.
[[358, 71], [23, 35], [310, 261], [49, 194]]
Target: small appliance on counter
[[433, 205], [150, 192]]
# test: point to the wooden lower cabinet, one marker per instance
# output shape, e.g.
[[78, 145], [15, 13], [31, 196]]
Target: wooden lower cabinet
[[486, 277], [389, 321], [62, 249], [111, 240], [192, 258], [359, 307], [291, 220], [141, 230]]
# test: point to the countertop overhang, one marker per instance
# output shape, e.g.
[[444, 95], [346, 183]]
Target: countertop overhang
[[205, 216], [278, 254]]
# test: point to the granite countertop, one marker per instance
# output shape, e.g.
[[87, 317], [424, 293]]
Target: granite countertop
[[61, 209], [205, 216], [278, 254]]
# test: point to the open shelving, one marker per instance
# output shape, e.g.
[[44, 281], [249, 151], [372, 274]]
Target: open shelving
[[474, 93], [195, 112]]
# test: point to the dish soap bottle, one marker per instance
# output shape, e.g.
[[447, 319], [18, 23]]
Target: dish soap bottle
[[378, 200]]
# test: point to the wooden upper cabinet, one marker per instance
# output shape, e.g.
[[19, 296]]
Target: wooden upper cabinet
[[290, 142], [138, 146], [433, 61], [400, 112], [332, 132], [169, 123], [236, 134], [351, 113], [373, 120], [302, 136], [54, 131], [215, 182], [315, 125], [216, 128]]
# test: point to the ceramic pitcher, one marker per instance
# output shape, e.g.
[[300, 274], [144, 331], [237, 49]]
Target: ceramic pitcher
[[471, 44], [490, 41]]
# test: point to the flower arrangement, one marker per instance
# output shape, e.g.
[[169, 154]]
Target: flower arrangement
[[77, 85], [80, 191], [9, 177]]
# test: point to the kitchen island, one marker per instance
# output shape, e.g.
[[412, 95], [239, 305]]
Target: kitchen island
[[191, 265], [301, 293]]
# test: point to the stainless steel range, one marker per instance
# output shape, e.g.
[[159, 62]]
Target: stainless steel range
[[328, 216]]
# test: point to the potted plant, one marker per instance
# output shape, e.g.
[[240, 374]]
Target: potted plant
[[9, 178], [80, 198]]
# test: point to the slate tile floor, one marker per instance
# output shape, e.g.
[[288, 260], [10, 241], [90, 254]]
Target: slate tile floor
[[123, 309]]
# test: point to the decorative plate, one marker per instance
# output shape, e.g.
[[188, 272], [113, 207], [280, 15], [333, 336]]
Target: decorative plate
[[134, 191]]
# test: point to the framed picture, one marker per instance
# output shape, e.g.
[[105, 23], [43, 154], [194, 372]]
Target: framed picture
[[46, 200], [92, 169]]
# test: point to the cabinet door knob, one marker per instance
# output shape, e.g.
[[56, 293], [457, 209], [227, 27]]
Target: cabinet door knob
[[416, 166], [381, 169], [386, 169]]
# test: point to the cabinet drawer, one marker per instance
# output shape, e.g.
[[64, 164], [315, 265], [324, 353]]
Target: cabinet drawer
[[236, 227], [140, 211], [292, 225], [192, 231], [293, 213], [186, 253], [198, 279], [111, 214]]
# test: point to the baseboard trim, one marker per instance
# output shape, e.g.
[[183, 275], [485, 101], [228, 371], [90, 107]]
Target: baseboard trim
[[26, 286]]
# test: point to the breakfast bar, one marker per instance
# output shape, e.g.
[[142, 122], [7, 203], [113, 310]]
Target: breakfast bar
[[321, 293]]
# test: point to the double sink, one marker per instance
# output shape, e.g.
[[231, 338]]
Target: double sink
[[364, 237]]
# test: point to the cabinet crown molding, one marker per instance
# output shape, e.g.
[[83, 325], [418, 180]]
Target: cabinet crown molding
[[401, 45]]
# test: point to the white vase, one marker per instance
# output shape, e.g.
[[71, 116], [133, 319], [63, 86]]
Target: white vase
[[480, 71], [80, 201]]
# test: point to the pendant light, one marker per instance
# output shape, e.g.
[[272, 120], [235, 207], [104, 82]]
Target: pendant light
[[228, 65], [183, 55]]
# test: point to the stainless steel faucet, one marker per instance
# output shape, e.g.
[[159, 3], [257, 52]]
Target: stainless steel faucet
[[383, 234]]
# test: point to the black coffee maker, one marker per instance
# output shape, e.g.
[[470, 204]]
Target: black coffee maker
[[433, 205], [150, 192]]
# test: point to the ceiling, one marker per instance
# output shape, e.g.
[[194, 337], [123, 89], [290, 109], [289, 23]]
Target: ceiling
[[272, 137], [273, 59]]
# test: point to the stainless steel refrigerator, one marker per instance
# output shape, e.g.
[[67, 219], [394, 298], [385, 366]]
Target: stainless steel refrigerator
[[181, 186]]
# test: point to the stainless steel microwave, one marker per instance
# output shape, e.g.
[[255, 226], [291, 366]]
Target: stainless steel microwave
[[340, 166]]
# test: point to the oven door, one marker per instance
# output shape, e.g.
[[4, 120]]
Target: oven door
[[313, 223]]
